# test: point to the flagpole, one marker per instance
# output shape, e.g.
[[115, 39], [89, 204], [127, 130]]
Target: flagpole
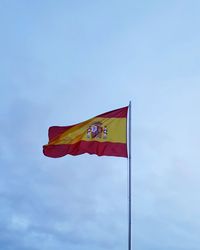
[[129, 182]]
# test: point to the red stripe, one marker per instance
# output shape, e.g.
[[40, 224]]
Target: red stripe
[[82, 147], [117, 113], [56, 131]]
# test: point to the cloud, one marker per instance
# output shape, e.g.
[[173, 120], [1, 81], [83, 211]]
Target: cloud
[[58, 66]]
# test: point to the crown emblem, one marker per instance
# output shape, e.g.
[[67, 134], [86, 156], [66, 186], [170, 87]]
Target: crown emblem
[[96, 130]]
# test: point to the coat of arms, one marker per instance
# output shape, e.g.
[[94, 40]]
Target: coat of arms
[[96, 130]]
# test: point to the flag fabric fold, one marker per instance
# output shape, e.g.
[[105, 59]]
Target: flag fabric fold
[[104, 134]]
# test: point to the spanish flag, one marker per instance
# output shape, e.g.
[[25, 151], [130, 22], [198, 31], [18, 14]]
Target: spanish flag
[[105, 134]]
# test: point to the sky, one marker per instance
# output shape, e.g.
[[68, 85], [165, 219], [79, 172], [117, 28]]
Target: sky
[[62, 62]]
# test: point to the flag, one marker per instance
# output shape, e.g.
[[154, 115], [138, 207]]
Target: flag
[[104, 134]]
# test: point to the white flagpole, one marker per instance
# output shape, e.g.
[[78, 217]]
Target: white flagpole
[[129, 182]]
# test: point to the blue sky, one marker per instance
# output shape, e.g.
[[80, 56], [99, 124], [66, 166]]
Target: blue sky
[[62, 62]]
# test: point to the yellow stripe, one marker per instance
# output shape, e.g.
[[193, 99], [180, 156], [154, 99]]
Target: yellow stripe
[[116, 131]]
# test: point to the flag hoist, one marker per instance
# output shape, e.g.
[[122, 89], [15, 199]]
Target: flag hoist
[[103, 135]]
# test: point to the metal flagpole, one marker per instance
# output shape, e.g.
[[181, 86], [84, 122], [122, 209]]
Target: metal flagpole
[[129, 181]]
